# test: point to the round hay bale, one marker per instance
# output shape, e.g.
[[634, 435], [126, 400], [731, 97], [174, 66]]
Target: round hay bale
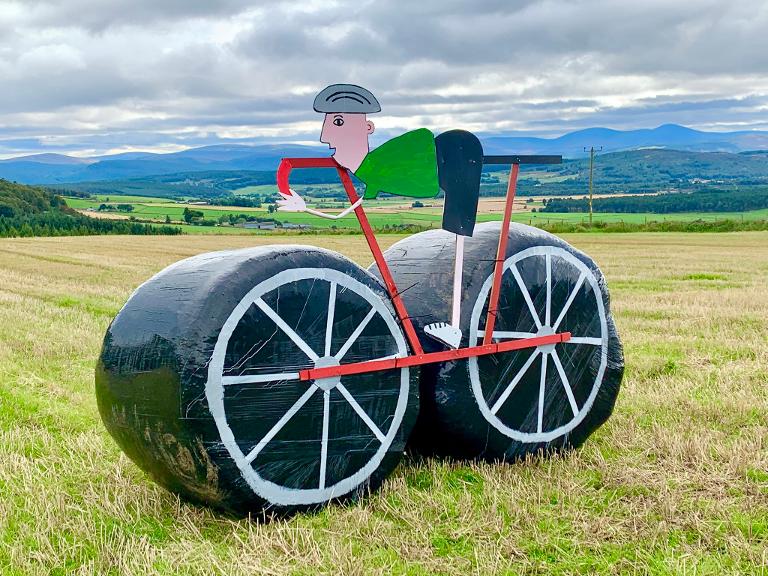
[[507, 405], [198, 380]]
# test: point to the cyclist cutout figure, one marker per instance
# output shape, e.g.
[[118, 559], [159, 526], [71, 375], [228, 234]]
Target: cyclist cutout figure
[[416, 164]]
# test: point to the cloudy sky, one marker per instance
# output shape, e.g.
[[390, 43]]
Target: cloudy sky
[[101, 76]]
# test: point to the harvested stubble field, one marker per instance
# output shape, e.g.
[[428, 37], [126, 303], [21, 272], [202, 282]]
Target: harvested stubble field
[[675, 483]]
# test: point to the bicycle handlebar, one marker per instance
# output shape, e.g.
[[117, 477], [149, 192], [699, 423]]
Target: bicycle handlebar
[[287, 164], [518, 159]]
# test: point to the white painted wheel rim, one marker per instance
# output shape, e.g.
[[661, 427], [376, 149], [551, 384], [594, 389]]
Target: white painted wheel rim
[[548, 253], [270, 491]]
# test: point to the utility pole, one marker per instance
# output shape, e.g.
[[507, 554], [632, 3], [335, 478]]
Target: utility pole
[[591, 179]]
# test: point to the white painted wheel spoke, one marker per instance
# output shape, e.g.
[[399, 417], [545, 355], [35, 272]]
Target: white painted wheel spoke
[[355, 335], [331, 482], [324, 445], [360, 412], [570, 300], [561, 267], [287, 329], [566, 383], [502, 334], [526, 295], [329, 323], [548, 312], [519, 376], [542, 386], [256, 378], [280, 424], [584, 340]]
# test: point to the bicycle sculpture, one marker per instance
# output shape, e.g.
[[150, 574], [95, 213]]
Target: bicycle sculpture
[[280, 378]]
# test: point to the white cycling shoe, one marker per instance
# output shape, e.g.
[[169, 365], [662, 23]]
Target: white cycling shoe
[[445, 333]]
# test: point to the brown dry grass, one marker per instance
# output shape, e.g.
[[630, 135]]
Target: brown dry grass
[[675, 483]]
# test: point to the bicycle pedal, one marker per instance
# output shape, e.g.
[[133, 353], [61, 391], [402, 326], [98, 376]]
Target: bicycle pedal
[[444, 333]]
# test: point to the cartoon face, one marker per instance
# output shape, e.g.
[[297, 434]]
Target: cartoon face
[[347, 134]]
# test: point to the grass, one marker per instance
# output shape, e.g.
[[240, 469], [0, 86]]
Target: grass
[[675, 483]]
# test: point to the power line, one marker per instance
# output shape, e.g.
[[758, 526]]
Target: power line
[[591, 174]]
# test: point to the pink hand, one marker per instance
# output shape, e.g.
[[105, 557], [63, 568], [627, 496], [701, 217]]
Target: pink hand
[[292, 203]]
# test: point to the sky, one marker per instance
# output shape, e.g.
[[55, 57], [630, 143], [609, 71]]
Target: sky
[[93, 77]]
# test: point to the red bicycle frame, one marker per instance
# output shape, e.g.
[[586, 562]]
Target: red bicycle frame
[[418, 357]]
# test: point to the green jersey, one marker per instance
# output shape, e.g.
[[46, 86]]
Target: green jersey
[[403, 166]]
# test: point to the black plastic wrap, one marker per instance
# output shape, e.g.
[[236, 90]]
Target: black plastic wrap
[[489, 407], [197, 380]]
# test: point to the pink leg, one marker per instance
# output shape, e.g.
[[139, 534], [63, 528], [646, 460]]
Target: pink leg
[[457, 277], [450, 334]]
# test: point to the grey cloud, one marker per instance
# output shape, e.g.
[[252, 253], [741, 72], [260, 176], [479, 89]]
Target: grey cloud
[[105, 73], [704, 36], [99, 15], [656, 111]]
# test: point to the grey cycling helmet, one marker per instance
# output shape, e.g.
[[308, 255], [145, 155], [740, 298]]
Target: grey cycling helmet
[[346, 98]]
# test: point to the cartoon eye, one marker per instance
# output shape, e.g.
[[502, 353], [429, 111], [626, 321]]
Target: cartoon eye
[[338, 121]]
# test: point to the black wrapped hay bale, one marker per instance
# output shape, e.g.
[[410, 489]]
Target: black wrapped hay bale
[[198, 380], [507, 405]]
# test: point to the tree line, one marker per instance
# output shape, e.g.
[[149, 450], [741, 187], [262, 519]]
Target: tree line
[[63, 224], [715, 200], [31, 211]]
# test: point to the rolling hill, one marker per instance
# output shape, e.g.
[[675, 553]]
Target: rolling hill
[[32, 211], [658, 170], [57, 168], [633, 172]]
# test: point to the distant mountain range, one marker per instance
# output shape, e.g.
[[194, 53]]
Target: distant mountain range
[[670, 136], [58, 169]]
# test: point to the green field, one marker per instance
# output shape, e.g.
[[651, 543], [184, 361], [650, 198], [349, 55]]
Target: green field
[[676, 482], [158, 209], [120, 199], [639, 218]]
